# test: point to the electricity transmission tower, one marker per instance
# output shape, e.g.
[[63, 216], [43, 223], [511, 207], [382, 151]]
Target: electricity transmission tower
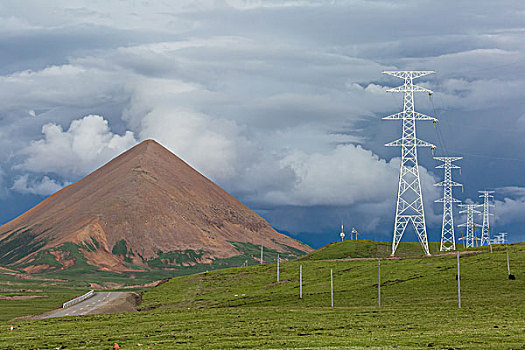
[[354, 233], [409, 206], [470, 210], [485, 231], [501, 238], [448, 240]]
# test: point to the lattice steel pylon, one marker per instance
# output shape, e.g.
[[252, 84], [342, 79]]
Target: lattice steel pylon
[[409, 207], [501, 238], [485, 231], [448, 240], [470, 210]]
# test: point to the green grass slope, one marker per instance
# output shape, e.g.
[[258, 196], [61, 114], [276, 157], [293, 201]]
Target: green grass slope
[[370, 249], [247, 308]]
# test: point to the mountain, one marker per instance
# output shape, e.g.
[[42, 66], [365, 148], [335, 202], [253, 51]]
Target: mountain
[[145, 209]]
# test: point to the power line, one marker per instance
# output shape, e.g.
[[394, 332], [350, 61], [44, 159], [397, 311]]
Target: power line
[[441, 139], [492, 157]]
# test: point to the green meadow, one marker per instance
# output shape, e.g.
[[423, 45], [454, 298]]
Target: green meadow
[[247, 308]]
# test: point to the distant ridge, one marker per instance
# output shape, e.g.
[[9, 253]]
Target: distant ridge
[[144, 209], [351, 249]]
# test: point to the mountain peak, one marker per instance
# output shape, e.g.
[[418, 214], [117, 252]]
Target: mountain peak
[[144, 205]]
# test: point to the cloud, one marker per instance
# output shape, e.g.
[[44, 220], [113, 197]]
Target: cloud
[[510, 209], [264, 97], [44, 187], [213, 146], [346, 175], [86, 145]]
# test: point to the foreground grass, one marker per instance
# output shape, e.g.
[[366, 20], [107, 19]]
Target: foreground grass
[[246, 308], [278, 327]]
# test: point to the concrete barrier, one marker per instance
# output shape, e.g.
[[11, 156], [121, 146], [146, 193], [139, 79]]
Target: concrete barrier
[[78, 299]]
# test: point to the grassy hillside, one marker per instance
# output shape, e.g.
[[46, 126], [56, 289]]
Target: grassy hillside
[[369, 249], [165, 265], [247, 308], [422, 282]]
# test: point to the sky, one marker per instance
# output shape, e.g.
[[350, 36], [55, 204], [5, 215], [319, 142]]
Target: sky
[[278, 102]]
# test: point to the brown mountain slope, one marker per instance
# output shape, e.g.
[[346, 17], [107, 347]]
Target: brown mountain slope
[[141, 205]]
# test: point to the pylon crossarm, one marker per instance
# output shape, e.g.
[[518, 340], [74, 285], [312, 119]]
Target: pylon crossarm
[[412, 88], [448, 159], [443, 166], [409, 143], [421, 143], [466, 224], [408, 74], [468, 211], [409, 115], [443, 200], [396, 143], [448, 183]]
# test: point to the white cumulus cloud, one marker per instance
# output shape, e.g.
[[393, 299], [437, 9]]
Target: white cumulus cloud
[[511, 209], [44, 187], [86, 145]]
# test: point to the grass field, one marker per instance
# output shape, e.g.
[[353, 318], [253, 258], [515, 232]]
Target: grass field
[[49, 295], [247, 308], [370, 249]]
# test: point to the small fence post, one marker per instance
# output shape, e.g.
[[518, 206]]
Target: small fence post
[[331, 288], [508, 264], [379, 283], [277, 267], [459, 285], [300, 281]]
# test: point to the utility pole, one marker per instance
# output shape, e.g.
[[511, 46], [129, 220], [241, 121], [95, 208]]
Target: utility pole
[[409, 206], [261, 254], [470, 210], [485, 231], [448, 240]]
